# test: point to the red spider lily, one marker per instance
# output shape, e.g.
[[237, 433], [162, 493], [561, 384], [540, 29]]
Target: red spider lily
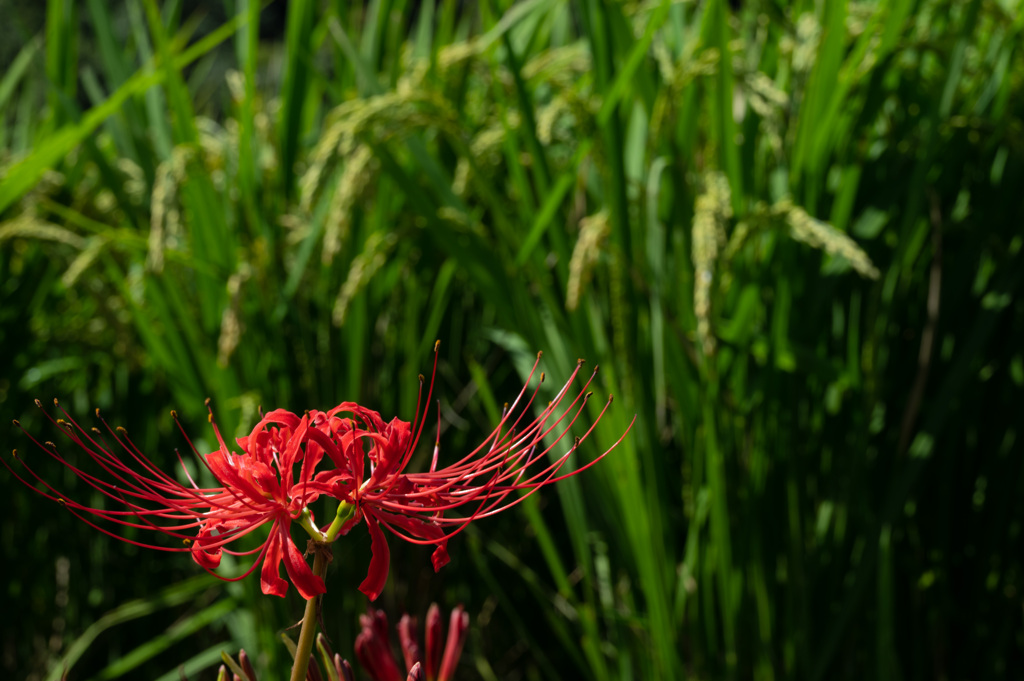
[[260, 485], [257, 487], [512, 463]]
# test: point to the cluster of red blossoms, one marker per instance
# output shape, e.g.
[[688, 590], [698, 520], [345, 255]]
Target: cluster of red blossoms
[[373, 646], [289, 461]]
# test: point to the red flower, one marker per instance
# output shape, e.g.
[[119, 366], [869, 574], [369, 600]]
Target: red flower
[[257, 487], [260, 485], [513, 460]]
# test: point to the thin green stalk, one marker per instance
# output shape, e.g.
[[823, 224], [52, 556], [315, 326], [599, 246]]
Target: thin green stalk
[[306, 634]]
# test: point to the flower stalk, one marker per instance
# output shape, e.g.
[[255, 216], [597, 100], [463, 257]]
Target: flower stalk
[[322, 556]]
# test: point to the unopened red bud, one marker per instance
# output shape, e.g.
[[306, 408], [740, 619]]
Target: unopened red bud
[[343, 668], [222, 673], [313, 670], [246, 664], [380, 624], [407, 637], [374, 653], [324, 647], [416, 673], [435, 638], [458, 627]]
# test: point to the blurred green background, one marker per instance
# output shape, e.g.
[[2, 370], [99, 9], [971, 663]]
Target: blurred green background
[[789, 233]]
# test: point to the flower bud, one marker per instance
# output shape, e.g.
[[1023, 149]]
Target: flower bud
[[373, 650], [246, 664], [458, 626], [407, 635], [416, 673], [343, 668], [313, 670], [434, 634]]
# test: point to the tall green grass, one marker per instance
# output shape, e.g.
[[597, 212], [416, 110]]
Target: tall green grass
[[789, 235]]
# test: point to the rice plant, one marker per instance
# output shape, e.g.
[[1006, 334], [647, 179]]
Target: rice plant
[[789, 234]]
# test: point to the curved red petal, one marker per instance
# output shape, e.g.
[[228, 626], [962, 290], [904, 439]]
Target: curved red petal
[[270, 578], [308, 584], [293, 451], [283, 417], [440, 556], [207, 559], [328, 445], [379, 562]]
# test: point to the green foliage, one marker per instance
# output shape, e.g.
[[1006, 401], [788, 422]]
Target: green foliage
[[789, 234]]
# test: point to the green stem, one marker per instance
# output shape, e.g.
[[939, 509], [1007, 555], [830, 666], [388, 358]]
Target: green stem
[[345, 512], [322, 542], [305, 520], [305, 644]]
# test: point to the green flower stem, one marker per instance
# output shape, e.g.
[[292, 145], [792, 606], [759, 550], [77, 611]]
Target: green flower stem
[[322, 542], [306, 634], [320, 559], [306, 522], [345, 512]]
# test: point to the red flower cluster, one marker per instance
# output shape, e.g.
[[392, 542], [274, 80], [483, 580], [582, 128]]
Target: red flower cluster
[[348, 453], [373, 647]]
